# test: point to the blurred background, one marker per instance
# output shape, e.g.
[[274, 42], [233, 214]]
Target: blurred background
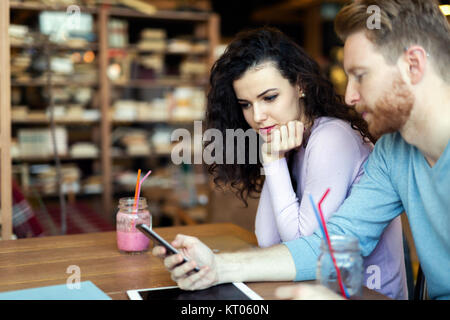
[[115, 87]]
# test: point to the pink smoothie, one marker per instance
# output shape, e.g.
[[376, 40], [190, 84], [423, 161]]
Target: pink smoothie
[[132, 241]]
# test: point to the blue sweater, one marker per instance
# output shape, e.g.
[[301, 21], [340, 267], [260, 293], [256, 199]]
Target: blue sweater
[[397, 178]]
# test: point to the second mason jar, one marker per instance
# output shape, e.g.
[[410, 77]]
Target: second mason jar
[[349, 261], [129, 239]]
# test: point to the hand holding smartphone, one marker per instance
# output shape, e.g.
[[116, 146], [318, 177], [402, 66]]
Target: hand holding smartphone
[[156, 237]]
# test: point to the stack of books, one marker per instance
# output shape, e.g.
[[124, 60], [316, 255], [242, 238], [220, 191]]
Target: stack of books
[[38, 142], [44, 178], [153, 40]]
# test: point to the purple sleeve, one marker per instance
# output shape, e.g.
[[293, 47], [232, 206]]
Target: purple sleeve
[[266, 230], [333, 158]]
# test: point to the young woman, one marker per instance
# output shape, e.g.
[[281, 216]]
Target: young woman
[[264, 81]]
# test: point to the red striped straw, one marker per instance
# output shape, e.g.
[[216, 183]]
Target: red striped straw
[[341, 283], [140, 183], [138, 191]]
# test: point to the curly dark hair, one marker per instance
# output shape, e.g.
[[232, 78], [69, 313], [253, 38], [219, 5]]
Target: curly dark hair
[[249, 49]]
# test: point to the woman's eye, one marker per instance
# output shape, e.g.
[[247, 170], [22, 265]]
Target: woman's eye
[[270, 98], [244, 105]]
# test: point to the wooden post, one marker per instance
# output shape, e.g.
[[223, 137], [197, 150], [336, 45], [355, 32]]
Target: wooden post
[[214, 42], [106, 161], [5, 123], [213, 36], [313, 34]]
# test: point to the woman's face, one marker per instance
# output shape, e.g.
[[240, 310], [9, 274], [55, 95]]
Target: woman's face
[[267, 99]]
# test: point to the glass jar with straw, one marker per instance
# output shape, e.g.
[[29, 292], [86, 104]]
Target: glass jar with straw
[[133, 211], [347, 257], [129, 239], [330, 262]]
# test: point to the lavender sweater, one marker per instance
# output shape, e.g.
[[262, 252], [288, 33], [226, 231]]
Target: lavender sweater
[[333, 158]]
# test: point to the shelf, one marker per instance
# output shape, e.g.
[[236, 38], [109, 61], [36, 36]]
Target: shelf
[[203, 26], [51, 159], [135, 48], [53, 195], [43, 7], [121, 189], [170, 122], [43, 83], [158, 83], [54, 46], [161, 15], [57, 121], [119, 12], [151, 155]]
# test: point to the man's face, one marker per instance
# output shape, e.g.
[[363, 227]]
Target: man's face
[[374, 87]]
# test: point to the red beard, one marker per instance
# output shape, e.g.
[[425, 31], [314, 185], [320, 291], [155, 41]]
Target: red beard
[[391, 111]]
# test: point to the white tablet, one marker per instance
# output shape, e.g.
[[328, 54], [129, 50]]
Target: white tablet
[[228, 291]]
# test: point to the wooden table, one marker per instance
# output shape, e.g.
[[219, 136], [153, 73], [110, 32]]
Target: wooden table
[[37, 262]]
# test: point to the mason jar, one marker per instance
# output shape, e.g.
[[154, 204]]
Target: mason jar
[[349, 261], [129, 239]]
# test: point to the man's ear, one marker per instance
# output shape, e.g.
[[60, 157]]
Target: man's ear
[[416, 59]]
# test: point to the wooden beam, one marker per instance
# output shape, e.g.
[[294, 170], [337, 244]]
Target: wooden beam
[[270, 13], [105, 123], [214, 37], [5, 122], [287, 11], [313, 32]]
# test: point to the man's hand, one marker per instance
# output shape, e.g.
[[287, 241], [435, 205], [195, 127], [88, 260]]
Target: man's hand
[[282, 140], [199, 255], [306, 292]]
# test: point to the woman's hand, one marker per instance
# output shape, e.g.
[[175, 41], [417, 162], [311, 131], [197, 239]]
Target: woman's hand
[[199, 255], [282, 140]]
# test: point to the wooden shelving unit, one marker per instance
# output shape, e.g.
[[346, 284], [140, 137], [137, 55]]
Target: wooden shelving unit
[[205, 25], [158, 83], [50, 159], [5, 124], [161, 15], [56, 83], [71, 122], [90, 46], [42, 7]]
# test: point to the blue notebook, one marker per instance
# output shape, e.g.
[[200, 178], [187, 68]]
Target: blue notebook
[[87, 291]]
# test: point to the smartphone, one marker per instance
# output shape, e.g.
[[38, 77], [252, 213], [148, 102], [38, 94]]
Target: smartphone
[[156, 237]]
